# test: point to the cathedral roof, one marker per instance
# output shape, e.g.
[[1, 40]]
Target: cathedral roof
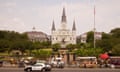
[[36, 33]]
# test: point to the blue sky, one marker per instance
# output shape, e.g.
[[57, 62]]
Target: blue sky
[[23, 15]]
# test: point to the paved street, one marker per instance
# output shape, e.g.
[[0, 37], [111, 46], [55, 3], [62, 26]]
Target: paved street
[[63, 70]]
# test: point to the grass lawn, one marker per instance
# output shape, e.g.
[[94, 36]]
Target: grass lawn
[[47, 49], [4, 54]]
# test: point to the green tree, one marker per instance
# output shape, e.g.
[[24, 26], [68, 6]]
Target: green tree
[[115, 32], [18, 45], [90, 37], [80, 45], [109, 40], [106, 36], [105, 44], [70, 47], [10, 39], [29, 47], [4, 45], [37, 45], [56, 47], [116, 50], [89, 51], [46, 44], [42, 54]]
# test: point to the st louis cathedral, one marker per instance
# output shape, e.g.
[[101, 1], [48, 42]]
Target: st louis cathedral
[[63, 35]]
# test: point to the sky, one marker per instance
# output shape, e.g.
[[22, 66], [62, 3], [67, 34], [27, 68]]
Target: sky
[[23, 15]]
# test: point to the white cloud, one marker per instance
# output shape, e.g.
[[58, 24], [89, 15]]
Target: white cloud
[[107, 16], [9, 6], [15, 24]]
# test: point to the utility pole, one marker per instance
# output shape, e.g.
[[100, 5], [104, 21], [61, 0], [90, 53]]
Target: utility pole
[[94, 27]]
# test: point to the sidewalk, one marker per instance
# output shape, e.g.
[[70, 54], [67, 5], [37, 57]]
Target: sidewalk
[[7, 65]]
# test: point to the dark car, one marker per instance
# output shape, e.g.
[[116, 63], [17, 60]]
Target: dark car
[[1, 63], [115, 62]]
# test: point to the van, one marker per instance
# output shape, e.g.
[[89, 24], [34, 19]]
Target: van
[[115, 62]]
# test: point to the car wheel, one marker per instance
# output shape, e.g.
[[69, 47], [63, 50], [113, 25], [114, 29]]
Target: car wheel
[[49, 70], [29, 70], [43, 70], [112, 66]]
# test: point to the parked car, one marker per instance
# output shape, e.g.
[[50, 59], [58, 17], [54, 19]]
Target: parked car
[[115, 62], [1, 63], [38, 67], [47, 64], [48, 67]]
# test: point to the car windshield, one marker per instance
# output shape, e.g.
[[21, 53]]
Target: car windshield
[[41, 61], [37, 65]]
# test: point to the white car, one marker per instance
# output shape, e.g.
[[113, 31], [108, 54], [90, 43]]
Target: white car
[[35, 67], [47, 64]]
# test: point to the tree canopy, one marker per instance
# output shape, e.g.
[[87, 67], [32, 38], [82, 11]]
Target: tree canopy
[[10, 40]]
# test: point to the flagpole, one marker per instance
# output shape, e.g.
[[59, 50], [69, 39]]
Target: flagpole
[[94, 27]]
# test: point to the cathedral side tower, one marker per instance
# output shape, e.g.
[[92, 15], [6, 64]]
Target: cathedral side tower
[[53, 32], [74, 32]]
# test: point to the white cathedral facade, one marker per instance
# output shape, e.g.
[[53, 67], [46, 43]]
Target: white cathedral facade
[[63, 35]]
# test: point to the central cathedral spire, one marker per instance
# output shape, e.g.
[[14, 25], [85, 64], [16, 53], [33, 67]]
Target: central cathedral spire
[[63, 20], [63, 16]]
